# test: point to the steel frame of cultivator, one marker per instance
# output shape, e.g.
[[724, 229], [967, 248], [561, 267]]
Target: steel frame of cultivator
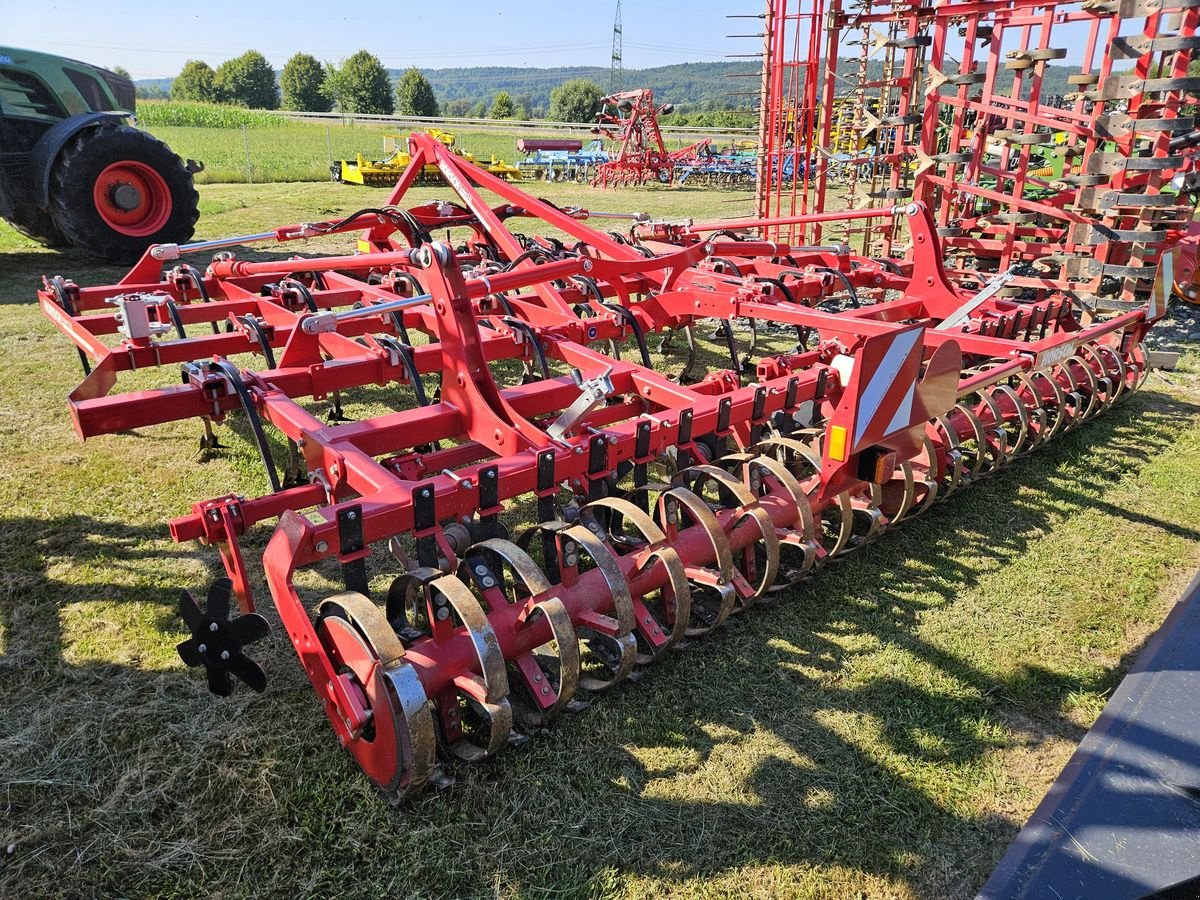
[[961, 120], [657, 507]]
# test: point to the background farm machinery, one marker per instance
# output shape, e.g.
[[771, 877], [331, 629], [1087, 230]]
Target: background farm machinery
[[733, 166], [385, 172], [629, 120], [628, 149], [699, 162], [560, 159], [532, 506]]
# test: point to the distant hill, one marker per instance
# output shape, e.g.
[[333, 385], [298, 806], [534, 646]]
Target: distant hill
[[156, 84], [692, 87]]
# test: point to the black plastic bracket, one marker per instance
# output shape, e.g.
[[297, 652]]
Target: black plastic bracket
[[350, 539], [424, 519]]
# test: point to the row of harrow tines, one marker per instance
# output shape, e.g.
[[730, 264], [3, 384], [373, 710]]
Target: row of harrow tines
[[1056, 139], [531, 505]]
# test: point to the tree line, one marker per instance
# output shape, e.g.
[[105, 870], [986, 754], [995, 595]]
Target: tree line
[[692, 87], [699, 92], [359, 84]]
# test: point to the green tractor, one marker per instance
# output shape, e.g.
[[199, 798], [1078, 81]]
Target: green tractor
[[74, 171]]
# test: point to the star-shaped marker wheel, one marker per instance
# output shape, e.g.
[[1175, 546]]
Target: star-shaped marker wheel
[[217, 641]]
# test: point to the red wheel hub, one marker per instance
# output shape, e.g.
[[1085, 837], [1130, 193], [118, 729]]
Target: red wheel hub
[[374, 739], [132, 198]]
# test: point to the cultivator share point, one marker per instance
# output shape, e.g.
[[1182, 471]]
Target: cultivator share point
[[546, 507]]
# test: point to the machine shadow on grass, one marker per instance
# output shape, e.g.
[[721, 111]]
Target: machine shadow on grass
[[795, 805], [18, 287], [806, 768]]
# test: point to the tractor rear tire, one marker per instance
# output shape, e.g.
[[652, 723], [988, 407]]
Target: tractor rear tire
[[116, 190], [36, 225]]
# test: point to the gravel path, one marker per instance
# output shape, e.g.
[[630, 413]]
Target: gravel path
[[1179, 331]]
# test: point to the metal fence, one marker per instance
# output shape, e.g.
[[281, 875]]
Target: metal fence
[[450, 123]]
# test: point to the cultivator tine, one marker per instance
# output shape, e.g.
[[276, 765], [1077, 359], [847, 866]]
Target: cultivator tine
[[662, 508]]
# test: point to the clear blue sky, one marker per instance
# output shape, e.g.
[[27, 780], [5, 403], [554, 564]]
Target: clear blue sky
[[153, 40]]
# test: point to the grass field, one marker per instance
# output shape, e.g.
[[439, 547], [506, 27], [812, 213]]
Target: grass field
[[882, 731], [299, 151]]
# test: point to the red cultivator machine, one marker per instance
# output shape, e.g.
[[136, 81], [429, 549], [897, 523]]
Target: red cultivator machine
[[536, 517], [630, 119], [1054, 143]]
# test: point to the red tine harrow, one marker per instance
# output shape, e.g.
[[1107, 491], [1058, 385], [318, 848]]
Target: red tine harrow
[[1074, 186], [508, 548], [630, 121]]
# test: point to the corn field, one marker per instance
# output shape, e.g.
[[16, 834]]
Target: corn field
[[158, 113]]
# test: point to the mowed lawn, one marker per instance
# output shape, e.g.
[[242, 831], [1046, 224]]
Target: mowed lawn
[[883, 730], [303, 151]]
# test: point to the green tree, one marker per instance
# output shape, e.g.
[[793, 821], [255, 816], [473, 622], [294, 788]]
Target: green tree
[[479, 110], [248, 80], [415, 95], [456, 108], [303, 82], [195, 82], [361, 85], [502, 107], [122, 71], [576, 100]]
